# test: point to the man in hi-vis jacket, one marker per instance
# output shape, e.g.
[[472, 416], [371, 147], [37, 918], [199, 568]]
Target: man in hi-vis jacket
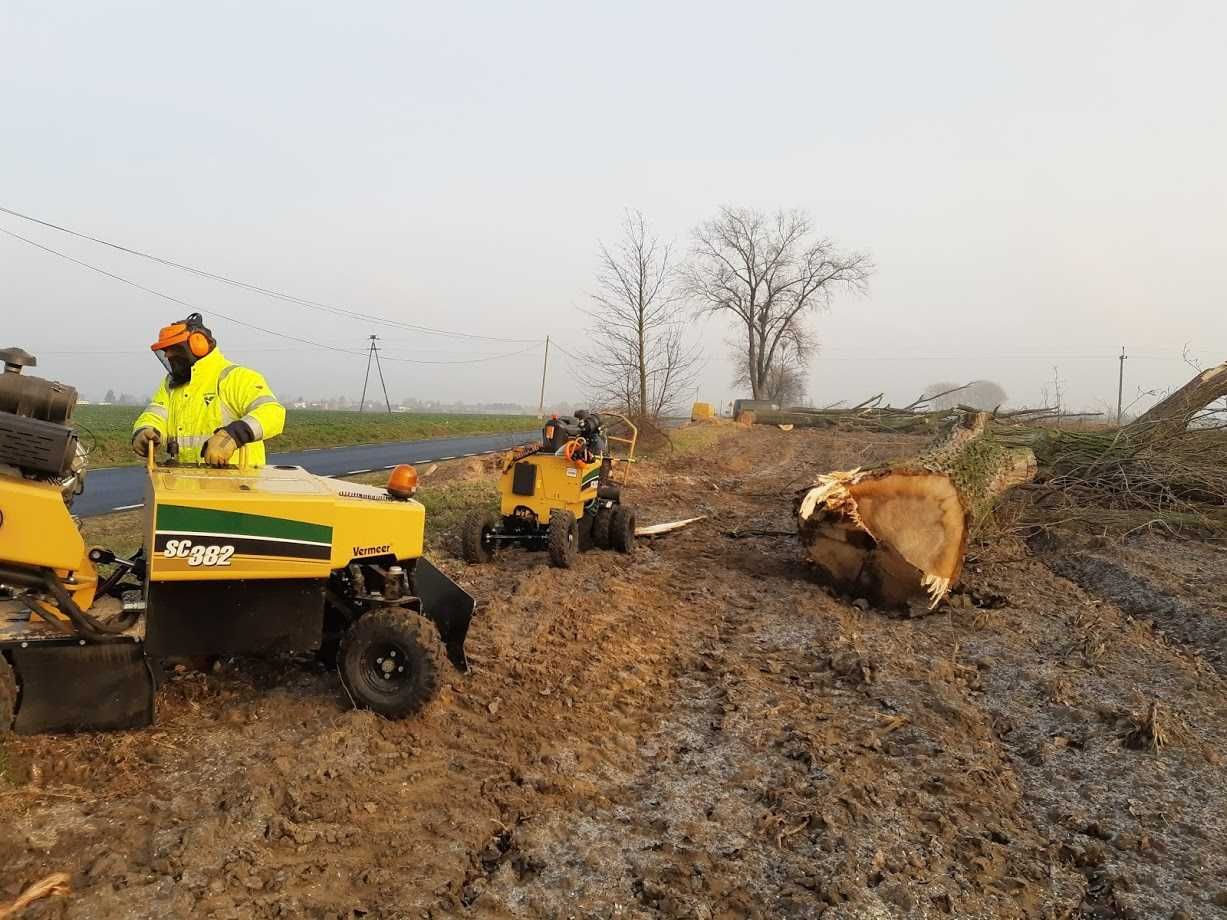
[[207, 408]]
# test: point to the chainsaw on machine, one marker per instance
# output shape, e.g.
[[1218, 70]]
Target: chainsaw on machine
[[236, 561]]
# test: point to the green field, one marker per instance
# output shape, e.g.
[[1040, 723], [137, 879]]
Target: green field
[[107, 430]]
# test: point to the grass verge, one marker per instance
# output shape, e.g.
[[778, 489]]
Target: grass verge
[[107, 430], [697, 437]]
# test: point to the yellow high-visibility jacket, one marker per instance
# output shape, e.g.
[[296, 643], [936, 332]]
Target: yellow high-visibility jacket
[[218, 393]]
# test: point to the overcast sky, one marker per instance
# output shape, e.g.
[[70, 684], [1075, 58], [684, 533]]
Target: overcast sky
[[1039, 183]]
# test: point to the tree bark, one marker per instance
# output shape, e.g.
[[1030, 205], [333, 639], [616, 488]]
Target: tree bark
[[898, 533], [643, 359]]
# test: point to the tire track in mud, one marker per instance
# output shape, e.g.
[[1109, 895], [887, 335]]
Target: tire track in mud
[[1069, 675], [775, 785], [300, 813], [1189, 624]]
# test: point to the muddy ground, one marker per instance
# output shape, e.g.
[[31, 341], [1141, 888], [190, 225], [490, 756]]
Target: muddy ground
[[699, 731]]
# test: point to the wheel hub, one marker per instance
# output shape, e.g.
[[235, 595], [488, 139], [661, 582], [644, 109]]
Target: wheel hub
[[386, 665]]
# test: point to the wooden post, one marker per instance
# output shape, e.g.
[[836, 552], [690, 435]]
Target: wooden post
[[544, 367]]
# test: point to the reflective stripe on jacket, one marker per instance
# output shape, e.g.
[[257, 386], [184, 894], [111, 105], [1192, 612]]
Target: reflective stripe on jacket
[[218, 393]]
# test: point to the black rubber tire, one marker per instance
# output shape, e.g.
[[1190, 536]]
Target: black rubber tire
[[586, 523], [371, 650], [473, 543], [563, 538], [8, 695], [600, 527], [622, 530]]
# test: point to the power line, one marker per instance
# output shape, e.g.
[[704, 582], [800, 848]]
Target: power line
[[249, 350], [569, 354], [511, 354], [284, 335], [911, 356], [172, 299], [269, 292]]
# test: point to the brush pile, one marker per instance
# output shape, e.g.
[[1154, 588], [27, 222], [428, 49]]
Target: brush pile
[[1168, 468]]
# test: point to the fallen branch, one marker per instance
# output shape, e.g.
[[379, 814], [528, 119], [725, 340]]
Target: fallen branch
[[655, 530], [1173, 414], [56, 885]]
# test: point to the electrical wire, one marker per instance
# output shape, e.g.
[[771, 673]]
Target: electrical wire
[[284, 335], [511, 354], [566, 352], [172, 299], [954, 357], [255, 288]]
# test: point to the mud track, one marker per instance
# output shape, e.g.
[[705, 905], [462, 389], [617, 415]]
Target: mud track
[[699, 730]]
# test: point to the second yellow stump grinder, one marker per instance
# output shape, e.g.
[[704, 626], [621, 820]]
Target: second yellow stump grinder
[[235, 562], [561, 495]]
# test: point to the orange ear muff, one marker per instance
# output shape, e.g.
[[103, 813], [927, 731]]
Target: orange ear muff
[[198, 344], [574, 450]]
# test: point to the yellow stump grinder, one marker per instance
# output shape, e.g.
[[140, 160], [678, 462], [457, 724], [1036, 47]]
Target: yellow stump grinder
[[235, 561], [561, 495]]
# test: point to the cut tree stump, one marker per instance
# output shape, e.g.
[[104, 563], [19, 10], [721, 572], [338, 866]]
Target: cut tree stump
[[898, 533]]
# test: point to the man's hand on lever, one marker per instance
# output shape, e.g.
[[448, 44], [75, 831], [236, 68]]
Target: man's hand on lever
[[144, 441]]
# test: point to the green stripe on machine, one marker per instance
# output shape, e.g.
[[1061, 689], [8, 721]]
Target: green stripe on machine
[[211, 520]]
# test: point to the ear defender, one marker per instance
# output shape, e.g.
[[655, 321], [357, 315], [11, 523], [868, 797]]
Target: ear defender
[[198, 344]]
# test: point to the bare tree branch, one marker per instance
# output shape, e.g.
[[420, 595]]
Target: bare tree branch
[[639, 361], [768, 271]]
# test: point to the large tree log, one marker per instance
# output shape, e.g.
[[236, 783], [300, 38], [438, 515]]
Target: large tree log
[[887, 420], [899, 532], [1173, 414]]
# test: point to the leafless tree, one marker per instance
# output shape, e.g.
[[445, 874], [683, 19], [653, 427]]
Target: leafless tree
[[1053, 395], [786, 378], [640, 361], [768, 271]]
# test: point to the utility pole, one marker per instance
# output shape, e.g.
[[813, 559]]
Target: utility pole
[[1120, 386], [373, 354], [544, 367]]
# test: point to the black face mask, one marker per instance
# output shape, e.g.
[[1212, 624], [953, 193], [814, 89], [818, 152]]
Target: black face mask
[[178, 364]]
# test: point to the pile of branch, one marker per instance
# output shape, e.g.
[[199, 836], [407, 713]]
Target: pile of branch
[[917, 417], [870, 415], [1167, 468]]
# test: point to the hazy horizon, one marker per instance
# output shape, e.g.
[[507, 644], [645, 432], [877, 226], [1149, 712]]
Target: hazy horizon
[[1038, 184]]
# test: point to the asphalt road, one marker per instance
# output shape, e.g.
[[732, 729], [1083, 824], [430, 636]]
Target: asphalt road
[[122, 488]]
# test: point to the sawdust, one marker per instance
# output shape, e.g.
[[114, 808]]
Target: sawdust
[[698, 730]]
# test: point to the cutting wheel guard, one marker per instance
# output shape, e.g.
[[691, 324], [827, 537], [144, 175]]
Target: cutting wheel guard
[[67, 687], [448, 606]]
